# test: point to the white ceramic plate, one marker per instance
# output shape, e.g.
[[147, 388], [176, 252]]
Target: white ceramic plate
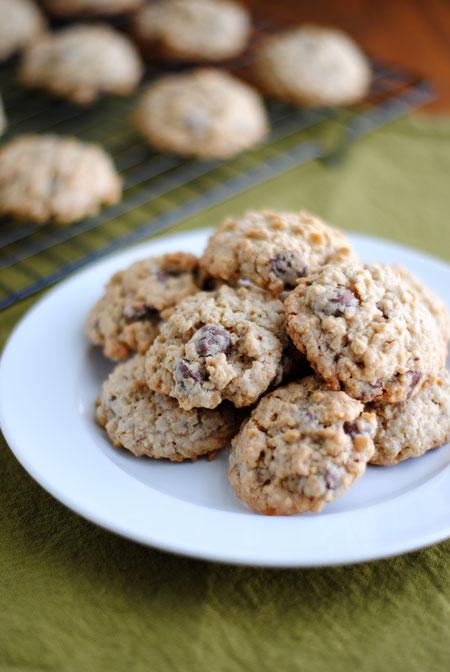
[[50, 377]]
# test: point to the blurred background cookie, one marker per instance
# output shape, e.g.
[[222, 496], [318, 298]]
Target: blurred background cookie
[[193, 30], [21, 22], [82, 62], [314, 66], [204, 113], [91, 7], [47, 178]]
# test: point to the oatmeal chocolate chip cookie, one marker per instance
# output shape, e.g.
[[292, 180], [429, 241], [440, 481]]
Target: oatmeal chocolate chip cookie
[[193, 30], [205, 113], [147, 423], [2, 117], [273, 249], [435, 305], [225, 344], [314, 66], [48, 178], [366, 331], [412, 427], [21, 23], [82, 62], [91, 7], [128, 315], [304, 445]]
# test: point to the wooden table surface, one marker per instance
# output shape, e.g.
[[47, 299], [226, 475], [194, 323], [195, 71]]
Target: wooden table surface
[[412, 33]]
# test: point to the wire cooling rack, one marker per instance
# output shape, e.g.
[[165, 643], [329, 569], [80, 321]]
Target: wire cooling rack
[[160, 190]]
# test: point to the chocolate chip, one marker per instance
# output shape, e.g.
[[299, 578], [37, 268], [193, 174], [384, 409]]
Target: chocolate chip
[[358, 427], [332, 480], [416, 377], [137, 313], [369, 391], [212, 340], [343, 299], [289, 265], [186, 371], [164, 275]]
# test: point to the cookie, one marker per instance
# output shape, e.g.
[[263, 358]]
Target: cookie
[[193, 30], [365, 330], [435, 305], [314, 66], [82, 62], [2, 117], [223, 344], [273, 249], [205, 113], [128, 315], [91, 7], [48, 178], [21, 23], [303, 446], [152, 424], [412, 427]]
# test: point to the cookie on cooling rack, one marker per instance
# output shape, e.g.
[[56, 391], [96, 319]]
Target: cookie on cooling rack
[[47, 178], [365, 330], [193, 30], [314, 66], [82, 62], [147, 423], [21, 23], [411, 428], [128, 315], [303, 446], [206, 113], [91, 7], [221, 345], [273, 249]]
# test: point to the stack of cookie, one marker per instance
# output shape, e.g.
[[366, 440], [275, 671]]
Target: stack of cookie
[[226, 347]]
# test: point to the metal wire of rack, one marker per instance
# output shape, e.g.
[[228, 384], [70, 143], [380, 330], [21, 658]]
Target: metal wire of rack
[[161, 190]]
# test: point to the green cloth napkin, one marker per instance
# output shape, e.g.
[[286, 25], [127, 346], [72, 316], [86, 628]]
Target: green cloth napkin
[[75, 597]]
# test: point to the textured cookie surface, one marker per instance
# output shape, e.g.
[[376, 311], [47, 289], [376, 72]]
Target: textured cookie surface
[[313, 65], [365, 330], [21, 22], [304, 445], [193, 30], [148, 423], [225, 344], [204, 113], [272, 250], [435, 305], [127, 317], [82, 62], [91, 7], [48, 178], [412, 427]]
